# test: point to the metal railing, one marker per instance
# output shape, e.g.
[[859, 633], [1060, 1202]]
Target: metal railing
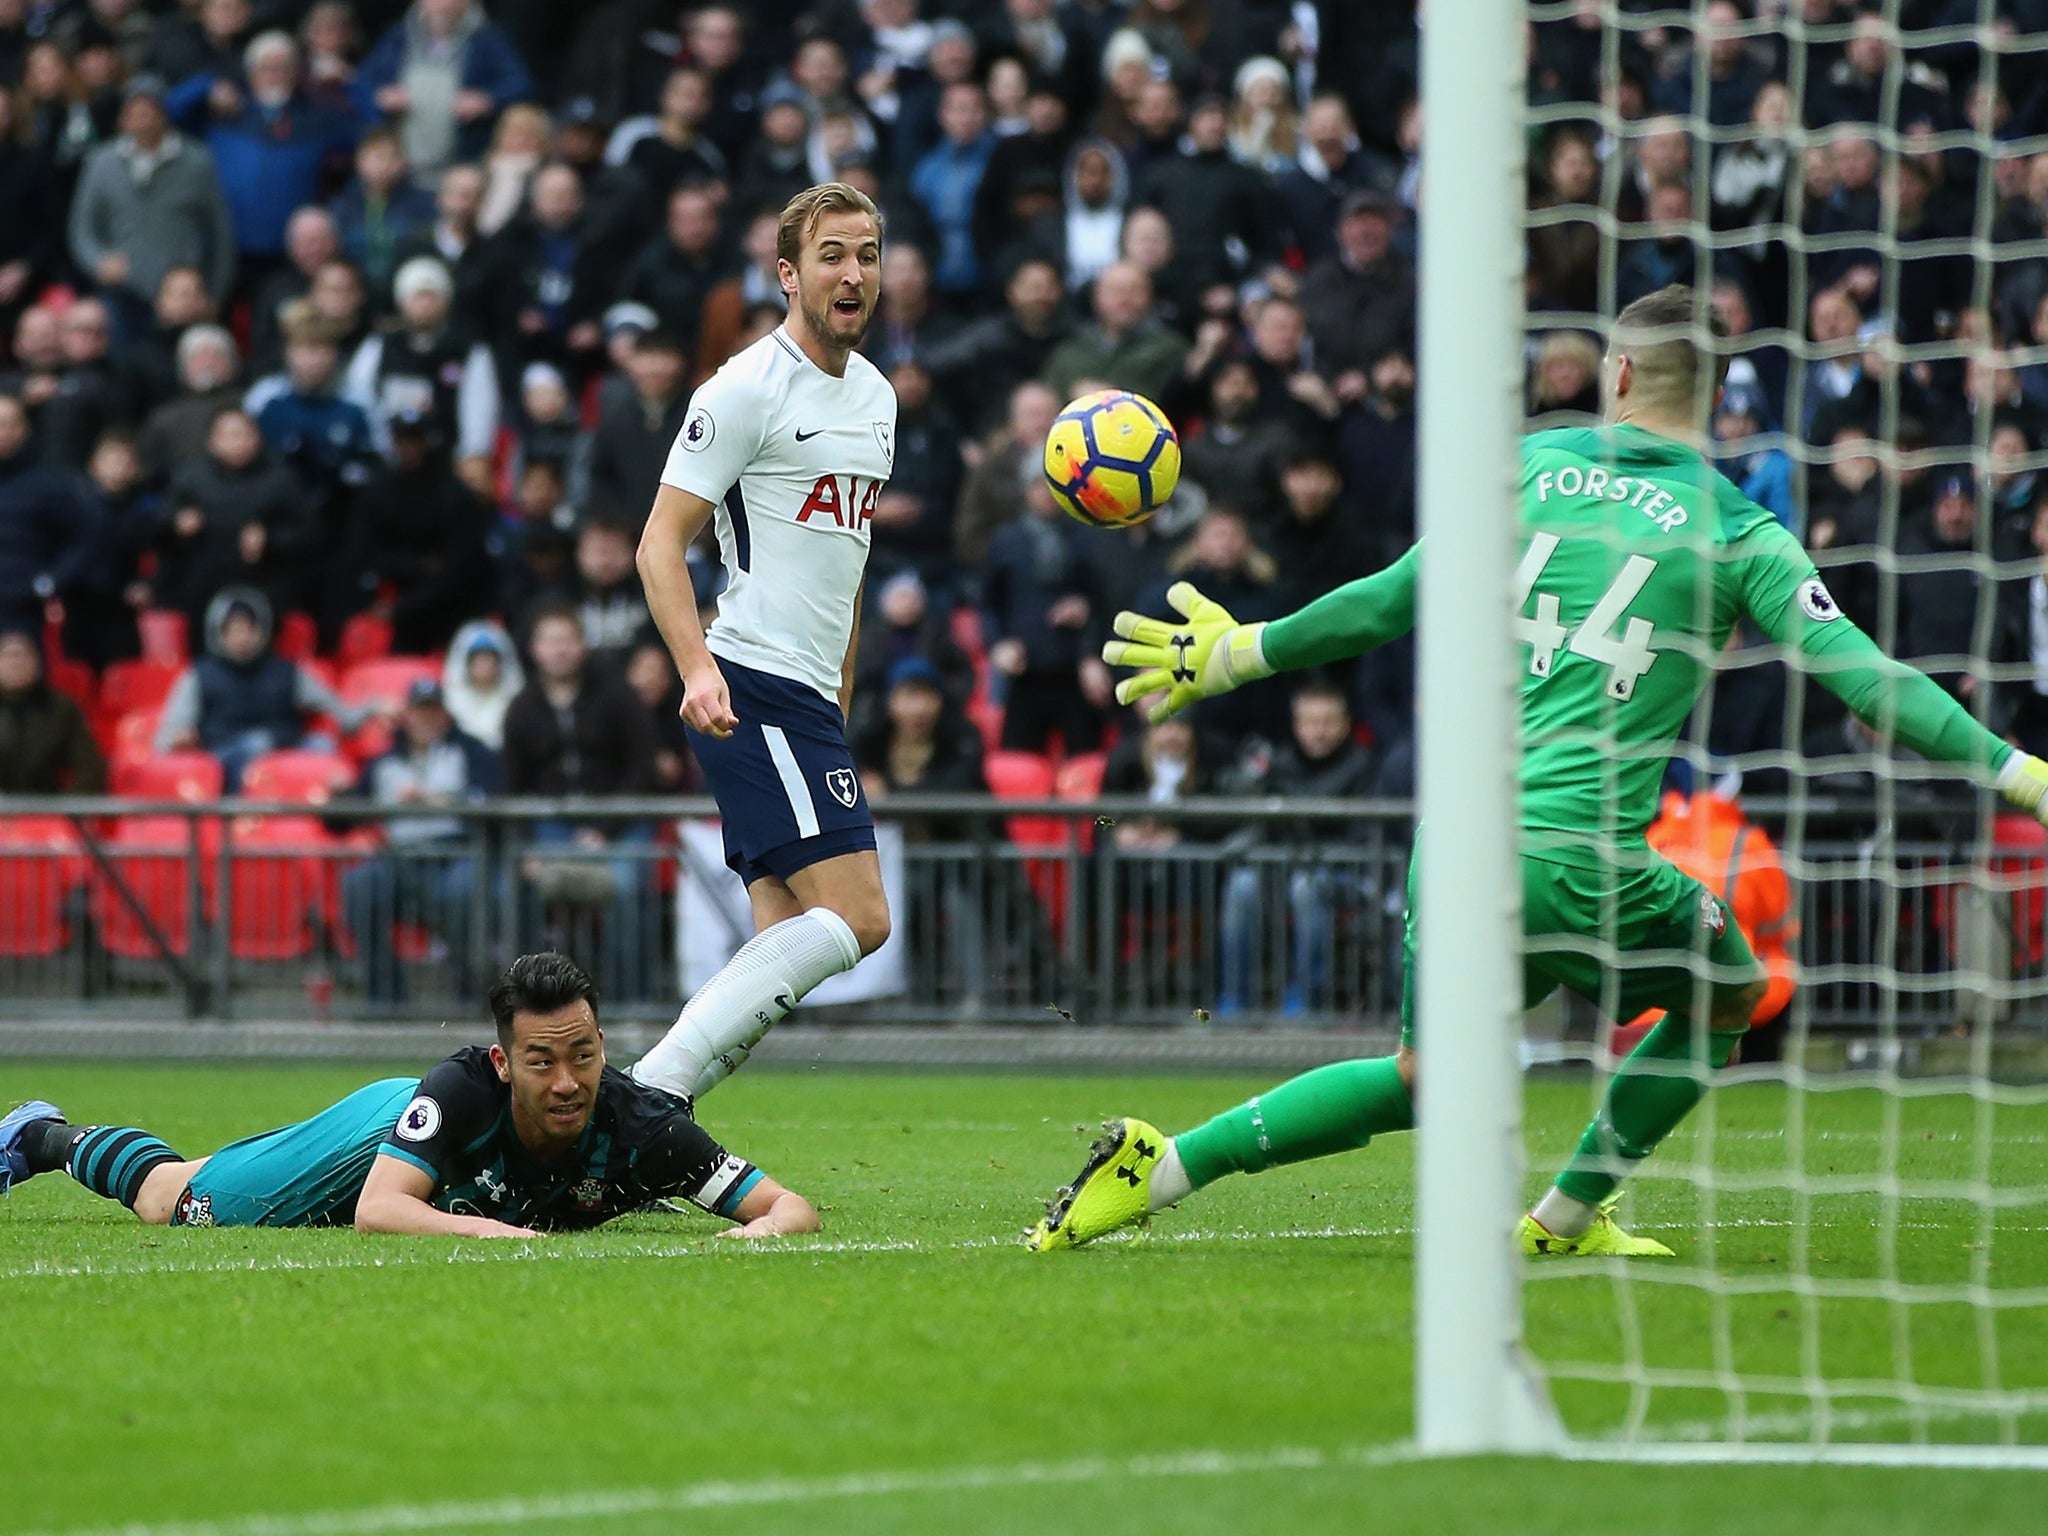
[[1118, 912]]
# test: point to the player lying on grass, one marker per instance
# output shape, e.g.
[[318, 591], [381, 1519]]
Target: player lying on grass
[[1638, 559], [533, 1134]]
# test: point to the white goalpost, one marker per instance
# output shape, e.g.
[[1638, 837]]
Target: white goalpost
[[1861, 1226]]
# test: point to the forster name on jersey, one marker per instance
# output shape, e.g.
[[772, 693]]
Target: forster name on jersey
[[794, 460], [1594, 483]]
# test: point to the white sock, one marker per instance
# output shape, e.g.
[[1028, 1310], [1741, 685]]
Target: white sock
[[1170, 1184], [719, 1027], [1561, 1216]]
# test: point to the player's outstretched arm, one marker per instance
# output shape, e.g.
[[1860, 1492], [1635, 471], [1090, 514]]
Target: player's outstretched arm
[[678, 517], [1208, 652], [769, 1210], [395, 1199], [1792, 606]]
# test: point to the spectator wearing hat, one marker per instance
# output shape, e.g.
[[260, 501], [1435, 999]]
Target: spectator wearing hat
[[1761, 470], [379, 211], [480, 679], [675, 272], [549, 431], [637, 428], [424, 874], [240, 699], [919, 740], [45, 745], [1224, 215], [617, 210], [1361, 300], [421, 546], [270, 145], [432, 366], [442, 75], [1091, 226], [1126, 346], [146, 202]]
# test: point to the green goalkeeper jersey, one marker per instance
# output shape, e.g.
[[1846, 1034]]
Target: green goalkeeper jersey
[[1638, 560]]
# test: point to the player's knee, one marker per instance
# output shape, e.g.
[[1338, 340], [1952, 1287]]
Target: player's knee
[[870, 924]]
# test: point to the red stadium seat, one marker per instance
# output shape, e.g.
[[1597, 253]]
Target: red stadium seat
[[298, 637], [277, 885], [128, 686], [1029, 776], [153, 855], [965, 628], [1080, 779], [307, 778], [165, 636], [133, 736], [987, 717], [74, 680], [41, 862], [193, 776], [363, 638], [386, 680]]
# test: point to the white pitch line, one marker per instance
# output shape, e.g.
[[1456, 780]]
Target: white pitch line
[[706, 1246], [372, 1520]]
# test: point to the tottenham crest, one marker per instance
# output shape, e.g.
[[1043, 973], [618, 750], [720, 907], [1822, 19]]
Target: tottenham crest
[[885, 441], [844, 787]]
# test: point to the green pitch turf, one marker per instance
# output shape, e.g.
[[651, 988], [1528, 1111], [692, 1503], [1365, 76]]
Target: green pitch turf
[[1245, 1369]]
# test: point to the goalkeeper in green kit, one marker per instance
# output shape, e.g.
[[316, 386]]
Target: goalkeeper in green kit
[[1638, 559]]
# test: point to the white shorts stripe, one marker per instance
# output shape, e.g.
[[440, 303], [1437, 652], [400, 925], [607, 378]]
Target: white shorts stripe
[[793, 784]]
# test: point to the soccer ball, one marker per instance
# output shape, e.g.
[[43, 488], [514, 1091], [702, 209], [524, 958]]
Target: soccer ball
[[1111, 458]]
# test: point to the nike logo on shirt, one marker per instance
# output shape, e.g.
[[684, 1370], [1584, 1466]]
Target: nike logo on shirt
[[804, 437]]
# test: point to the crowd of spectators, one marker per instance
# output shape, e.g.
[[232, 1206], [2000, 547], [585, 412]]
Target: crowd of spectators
[[364, 307]]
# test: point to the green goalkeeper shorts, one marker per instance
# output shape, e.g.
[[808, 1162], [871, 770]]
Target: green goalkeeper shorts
[[1625, 937]]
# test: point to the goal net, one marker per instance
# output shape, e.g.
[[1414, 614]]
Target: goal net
[[1859, 1206]]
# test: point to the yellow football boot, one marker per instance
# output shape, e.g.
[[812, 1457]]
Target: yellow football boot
[[1602, 1240], [1113, 1189]]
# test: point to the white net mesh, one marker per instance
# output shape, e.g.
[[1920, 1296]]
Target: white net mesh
[[1860, 1210]]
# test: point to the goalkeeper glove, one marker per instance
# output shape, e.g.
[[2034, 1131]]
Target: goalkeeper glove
[[1207, 653], [2024, 783]]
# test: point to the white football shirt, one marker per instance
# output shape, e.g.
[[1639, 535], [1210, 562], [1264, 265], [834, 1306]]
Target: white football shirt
[[794, 460]]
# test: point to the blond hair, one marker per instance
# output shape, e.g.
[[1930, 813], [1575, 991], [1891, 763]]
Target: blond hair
[[800, 217], [1670, 363]]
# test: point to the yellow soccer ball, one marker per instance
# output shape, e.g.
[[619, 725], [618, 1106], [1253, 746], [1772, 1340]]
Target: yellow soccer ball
[[1112, 458]]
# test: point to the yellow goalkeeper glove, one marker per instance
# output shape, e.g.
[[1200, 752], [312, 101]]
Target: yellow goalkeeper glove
[[2024, 783], [1207, 653]]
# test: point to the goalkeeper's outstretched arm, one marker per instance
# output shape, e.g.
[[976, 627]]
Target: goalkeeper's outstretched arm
[[1792, 605], [1208, 652]]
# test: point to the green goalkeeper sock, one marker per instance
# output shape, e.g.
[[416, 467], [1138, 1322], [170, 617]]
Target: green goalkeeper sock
[[1643, 1106], [1332, 1109]]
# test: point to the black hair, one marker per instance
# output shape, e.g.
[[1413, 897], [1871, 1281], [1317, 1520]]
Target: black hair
[[542, 983]]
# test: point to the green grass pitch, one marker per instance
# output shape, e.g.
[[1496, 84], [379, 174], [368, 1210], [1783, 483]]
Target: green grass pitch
[[911, 1370]]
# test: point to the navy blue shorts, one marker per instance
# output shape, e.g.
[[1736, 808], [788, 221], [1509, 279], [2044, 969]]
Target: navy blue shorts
[[784, 780]]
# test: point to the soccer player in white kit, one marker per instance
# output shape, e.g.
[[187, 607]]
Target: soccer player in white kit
[[787, 446]]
